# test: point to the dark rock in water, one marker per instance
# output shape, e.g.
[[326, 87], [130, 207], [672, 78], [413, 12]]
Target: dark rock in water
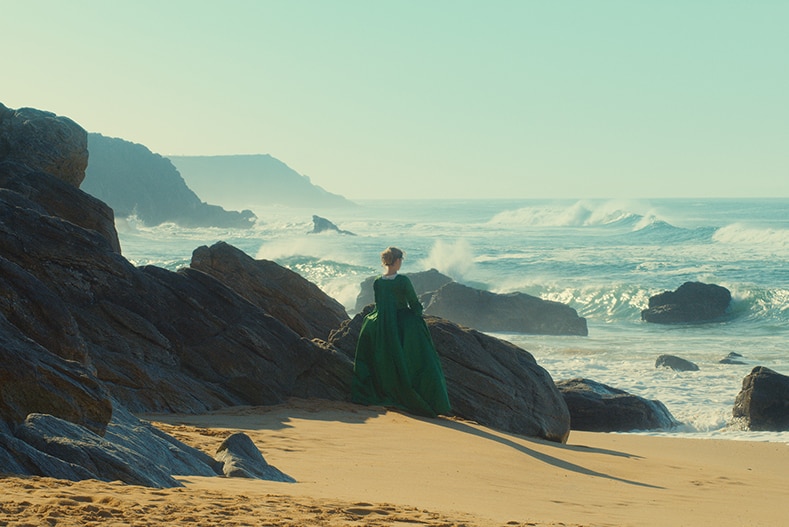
[[675, 363], [513, 312], [44, 142], [596, 407], [489, 381], [136, 182], [732, 358], [242, 459], [763, 401], [691, 302], [285, 295], [423, 282], [322, 225]]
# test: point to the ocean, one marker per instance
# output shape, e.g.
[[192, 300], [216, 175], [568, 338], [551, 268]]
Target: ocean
[[604, 258]]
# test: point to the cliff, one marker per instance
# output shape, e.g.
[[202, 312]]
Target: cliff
[[249, 181], [134, 181]]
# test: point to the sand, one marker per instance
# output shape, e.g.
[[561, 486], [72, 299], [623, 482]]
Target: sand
[[369, 466]]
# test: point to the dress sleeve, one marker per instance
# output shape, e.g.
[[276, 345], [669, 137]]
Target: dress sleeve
[[413, 300]]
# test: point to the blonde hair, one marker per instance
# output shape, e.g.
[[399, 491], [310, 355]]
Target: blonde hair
[[390, 255]]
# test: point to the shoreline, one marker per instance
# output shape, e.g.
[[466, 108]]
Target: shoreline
[[357, 465]]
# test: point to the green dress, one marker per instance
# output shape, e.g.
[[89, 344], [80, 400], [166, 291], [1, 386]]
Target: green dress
[[396, 363]]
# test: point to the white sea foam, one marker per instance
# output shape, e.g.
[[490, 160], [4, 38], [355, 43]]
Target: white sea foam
[[741, 234]]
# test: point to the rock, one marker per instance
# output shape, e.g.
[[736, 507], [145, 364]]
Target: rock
[[675, 363], [423, 282], [489, 381], [596, 407], [134, 181], [692, 302], [732, 358], [763, 401], [44, 142], [513, 312], [285, 295], [33, 379], [240, 458], [323, 225], [132, 451]]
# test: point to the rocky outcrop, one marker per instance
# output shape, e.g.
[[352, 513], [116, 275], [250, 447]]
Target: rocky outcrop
[[675, 363], [692, 302], [283, 294], [136, 182], [763, 401], [44, 142], [320, 225], [596, 407], [513, 312], [423, 281], [489, 380]]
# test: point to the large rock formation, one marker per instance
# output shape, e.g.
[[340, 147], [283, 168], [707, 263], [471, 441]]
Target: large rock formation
[[285, 295], [489, 381], [134, 181], [513, 312], [692, 302], [596, 407], [763, 401]]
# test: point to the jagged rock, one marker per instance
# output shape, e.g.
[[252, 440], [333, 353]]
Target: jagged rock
[[691, 302], [513, 312], [675, 363], [323, 225], [423, 282], [763, 401], [134, 181], [489, 381], [285, 295], [596, 407], [240, 458], [44, 142]]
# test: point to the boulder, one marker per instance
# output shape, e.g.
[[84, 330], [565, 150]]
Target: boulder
[[596, 407], [44, 142], [513, 312], [285, 295], [240, 458], [675, 363], [692, 302], [323, 225], [489, 381], [732, 358], [423, 282], [763, 401]]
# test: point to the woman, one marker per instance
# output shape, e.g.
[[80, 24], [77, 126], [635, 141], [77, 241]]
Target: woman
[[396, 363]]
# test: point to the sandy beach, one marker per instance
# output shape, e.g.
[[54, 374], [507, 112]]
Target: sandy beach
[[368, 466]]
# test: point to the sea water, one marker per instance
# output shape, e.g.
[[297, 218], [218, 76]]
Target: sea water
[[604, 258]]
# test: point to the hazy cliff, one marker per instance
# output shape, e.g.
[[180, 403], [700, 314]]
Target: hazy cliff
[[248, 181], [135, 181]]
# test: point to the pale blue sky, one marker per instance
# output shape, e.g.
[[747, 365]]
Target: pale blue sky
[[456, 99]]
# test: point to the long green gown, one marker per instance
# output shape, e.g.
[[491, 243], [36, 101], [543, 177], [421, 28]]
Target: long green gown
[[396, 363]]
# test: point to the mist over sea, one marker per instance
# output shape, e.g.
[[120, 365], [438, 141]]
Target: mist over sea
[[604, 258]]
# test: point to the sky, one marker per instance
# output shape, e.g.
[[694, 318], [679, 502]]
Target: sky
[[429, 98]]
